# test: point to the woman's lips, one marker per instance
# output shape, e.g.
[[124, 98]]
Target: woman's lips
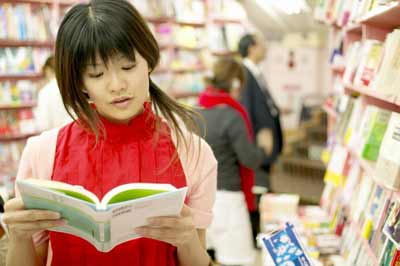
[[122, 102]]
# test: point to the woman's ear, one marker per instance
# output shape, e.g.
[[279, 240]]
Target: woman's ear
[[85, 92], [87, 95]]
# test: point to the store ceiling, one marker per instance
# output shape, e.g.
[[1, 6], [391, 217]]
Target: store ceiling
[[275, 24]]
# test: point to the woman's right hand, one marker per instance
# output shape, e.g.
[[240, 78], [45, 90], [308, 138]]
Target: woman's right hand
[[23, 224]]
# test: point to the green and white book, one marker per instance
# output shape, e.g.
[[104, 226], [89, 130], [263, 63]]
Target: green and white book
[[110, 221]]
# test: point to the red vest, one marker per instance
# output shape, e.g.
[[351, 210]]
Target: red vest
[[126, 154]]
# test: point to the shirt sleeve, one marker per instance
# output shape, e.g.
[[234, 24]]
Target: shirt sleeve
[[200, 168], [43, 115], [26, 170]]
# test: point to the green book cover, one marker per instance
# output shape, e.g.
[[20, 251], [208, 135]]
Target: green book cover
[[388, 253], [375, 136]]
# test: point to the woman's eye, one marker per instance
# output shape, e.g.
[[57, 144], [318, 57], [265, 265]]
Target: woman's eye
[[96, 75], [128, 67]]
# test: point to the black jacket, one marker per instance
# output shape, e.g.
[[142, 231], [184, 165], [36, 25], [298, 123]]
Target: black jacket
[[263, 113]]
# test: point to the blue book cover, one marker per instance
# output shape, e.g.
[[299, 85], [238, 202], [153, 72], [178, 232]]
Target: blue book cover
[[285, 249]]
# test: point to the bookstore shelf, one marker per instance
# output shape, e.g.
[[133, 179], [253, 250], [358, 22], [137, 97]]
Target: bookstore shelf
[[62, 3], [189, 70], [363, 44], [386, 17], [224, 53], [353, 28], [226, 20], [161, 70], [334, 24], [191, 24], [386, 102], [356, 227], [391, 239], [17, 106], [369, 167], [187, 48], [17, 137], [159, 20], [184, 94], [26, 43], [16, 77]]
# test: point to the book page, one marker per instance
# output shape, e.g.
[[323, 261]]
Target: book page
[[133, 191], [127, 216]]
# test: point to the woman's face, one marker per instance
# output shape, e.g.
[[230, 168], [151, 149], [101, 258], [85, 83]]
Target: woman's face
[[118, 89]]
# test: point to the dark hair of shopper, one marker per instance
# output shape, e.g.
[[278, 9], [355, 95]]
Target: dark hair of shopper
[[245, 43], [225, 71], [105, 28]]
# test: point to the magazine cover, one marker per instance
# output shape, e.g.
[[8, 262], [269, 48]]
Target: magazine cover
[[392, 225], [285, 249]]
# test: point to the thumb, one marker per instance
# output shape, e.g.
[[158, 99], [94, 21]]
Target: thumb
[[186, 211]]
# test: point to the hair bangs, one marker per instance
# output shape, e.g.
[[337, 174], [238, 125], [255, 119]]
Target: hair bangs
[[100, 43]]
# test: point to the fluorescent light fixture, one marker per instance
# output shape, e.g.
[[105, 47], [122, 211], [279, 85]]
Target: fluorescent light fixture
[[288, 7]]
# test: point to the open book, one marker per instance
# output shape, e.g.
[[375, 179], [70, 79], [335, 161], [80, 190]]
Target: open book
[[109, 222]]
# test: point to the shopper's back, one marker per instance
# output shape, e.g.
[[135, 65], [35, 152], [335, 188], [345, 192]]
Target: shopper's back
[[226, 133]]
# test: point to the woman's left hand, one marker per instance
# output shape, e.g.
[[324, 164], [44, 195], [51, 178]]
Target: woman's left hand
[[176, 231]]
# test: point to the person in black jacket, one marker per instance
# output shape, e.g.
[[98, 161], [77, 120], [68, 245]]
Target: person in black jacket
[[264, 113]]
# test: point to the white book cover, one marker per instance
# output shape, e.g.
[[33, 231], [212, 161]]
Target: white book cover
[[108, 222], [388, 164]]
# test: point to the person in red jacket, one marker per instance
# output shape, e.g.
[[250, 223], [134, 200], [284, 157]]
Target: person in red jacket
[[127, 130], [230, 135]]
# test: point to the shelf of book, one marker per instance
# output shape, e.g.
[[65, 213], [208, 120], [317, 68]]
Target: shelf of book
[[383, 17], [62, 3], [224, 53], [184, 94], [189, 70], [161, 70], [16, 77], [17, 106], [353, 28], [226, 20], [187, 48], [191, 24], [391, 239], [383, 101], [26, 43], [369, 167], [17, 137], [367, 43], [159, 20], [334, 24], [370, 252]]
